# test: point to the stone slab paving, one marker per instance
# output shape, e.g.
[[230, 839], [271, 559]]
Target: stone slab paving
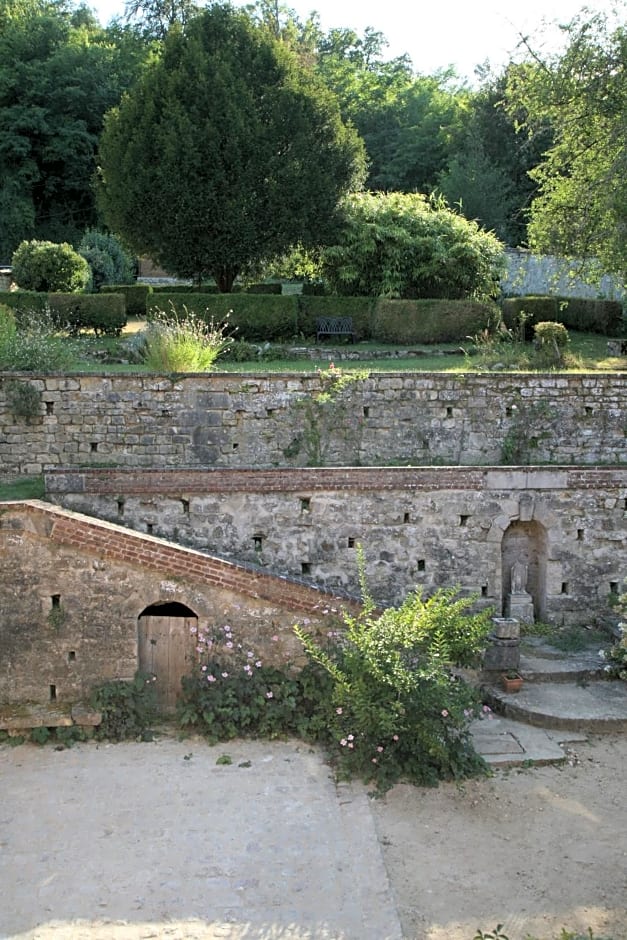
[[134, 841], [505, 743]]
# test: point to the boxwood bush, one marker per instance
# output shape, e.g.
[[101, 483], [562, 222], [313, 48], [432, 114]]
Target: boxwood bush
[[135, 295], [251, 317], [431, 321], [102, 313]]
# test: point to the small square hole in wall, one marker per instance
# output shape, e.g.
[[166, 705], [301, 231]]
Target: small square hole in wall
[[305, 504], [149, 528], [185, 505], [120, 503], [421, 564], [258, 542], [93, 447], [463, 520], [270, 412], [366, 411], [351, 542], [55, 601], [71, 656], [588, 411], [53, 692], [449, 412], [509, 411], [235, 445], [580, 534], [406, 517], [305, 567], [565, 587], [614, 588], [484, 590], [49, 407]]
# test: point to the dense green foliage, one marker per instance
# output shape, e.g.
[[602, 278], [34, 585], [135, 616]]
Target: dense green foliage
[[230, 129], [136, 297], [107, 259], [250, 316], [46, 266], [32, 344], [380, 693], [59, 73], [431, 321], [405, 246], [181, 343], [577, 313], [581, 208], [128, 708], [105, 314]]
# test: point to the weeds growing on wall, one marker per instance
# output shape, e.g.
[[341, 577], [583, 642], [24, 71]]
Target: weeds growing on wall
[[616, 655], [331, 412], [529, 426], [23, 399]]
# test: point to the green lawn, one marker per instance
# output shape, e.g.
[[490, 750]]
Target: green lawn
[[588, 352]]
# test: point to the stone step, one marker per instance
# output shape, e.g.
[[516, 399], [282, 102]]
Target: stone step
[[580, 706], [542, 666], [15, 718]]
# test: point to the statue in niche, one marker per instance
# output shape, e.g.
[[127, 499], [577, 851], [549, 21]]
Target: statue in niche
[[519, 575]]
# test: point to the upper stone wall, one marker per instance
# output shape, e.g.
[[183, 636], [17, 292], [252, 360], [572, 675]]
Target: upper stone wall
[[245, 420]]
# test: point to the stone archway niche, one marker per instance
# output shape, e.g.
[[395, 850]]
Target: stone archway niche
[[526, 542], [165, 645]]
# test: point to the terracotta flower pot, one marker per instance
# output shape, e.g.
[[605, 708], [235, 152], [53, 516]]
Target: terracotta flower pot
[[511, 685]]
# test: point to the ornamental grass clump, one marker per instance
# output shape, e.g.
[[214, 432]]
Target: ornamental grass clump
[[174, 343], [33, 345]]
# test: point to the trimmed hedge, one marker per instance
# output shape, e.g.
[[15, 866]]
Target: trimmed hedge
[[24, 302], [310, 307], [184, 289], [258, 317], [576, 313], [102, 314], [136, 296], [431, 321]]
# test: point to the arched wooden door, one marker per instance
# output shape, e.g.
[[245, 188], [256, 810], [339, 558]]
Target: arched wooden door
[[165, 645]]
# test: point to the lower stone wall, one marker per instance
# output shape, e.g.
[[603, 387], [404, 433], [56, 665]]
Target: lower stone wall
[[419, 527], [73, 592]]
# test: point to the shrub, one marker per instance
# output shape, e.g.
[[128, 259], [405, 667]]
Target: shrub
[[585, 315], [108, 261], [252, 317], [135, 295], [182, 344], [273, 288], [184, 289], [46, 266], [23, 399], [405, 246], [26, 304], [431, 321], [104, 314], [127, 708], [397, 710], [33, 346], [550, 341]]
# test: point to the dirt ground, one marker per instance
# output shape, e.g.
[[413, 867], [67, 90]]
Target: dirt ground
[[536, 849], [123, 842]]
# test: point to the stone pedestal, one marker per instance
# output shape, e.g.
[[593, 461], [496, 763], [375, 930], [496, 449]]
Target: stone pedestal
[[519, 607], [503, 652]]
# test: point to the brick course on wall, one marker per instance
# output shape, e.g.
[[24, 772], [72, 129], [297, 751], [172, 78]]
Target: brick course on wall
[[419, 527], [102, 577], [244, 420]]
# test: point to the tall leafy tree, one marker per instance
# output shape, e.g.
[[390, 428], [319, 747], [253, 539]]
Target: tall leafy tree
[[227, 152], [59, 73], [581, 206]]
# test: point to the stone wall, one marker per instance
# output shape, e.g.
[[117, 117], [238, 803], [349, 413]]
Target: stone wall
[[73, 591], [419, 527], [237, 420]]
